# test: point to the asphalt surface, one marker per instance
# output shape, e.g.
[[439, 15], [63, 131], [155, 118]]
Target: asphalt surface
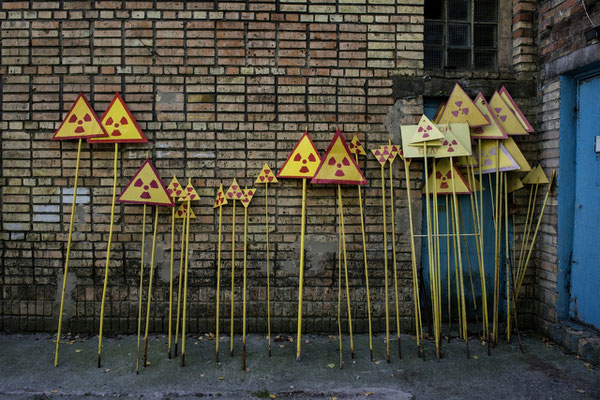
[[544, 371]]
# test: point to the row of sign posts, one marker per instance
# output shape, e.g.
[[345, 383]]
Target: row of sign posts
[[448, 139]]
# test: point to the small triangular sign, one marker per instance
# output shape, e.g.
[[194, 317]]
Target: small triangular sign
[[220, 199], [515, 152], [81, 122], [416, 150], [505, 116], [536, 175], [189, 193], [338, 165], [234, 192], [174, 189], [182, 211], [492, 131], [515, 109], [266, 175], [489, 156], [456, 141], [460, 108], [393, 152], [247, 195], [513, 183], [120, 124], [146, 187], [381, 154], [442, 182], [356, 147], [426, 131], [303, 161]]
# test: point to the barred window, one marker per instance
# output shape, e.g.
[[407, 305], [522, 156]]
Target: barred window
[[461, 34]]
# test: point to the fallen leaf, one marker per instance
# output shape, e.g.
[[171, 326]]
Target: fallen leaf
[[201, 375], [54, 391], [78, 350], [331, 365], [272, 396], [221, 378], [581, 390], [307, 341], [107, 370], [258, 338], [367, 394], [282, 346], [476, 357], [377, 362]]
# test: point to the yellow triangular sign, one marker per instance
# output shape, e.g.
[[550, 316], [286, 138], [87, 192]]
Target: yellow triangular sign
[[266, 175], [174, 189], [234, 192], [393, 152], [460, 108], [182, 211], [514, 183], [505, 116], [515, 152], [303, 161], [220, 199], [537, 175], [146, 188], [81, 122], [189, 193], [247, 195], [515, 109], [381, 154], [492, 131], [442, 183], [426, 132], [490, 154], [120, 124], [338, 165], [415, 150], [356, 147], [456, 143]]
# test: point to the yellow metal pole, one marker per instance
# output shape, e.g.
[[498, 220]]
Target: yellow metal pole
[[110, 232], [64, 283], [448, 265], [528, 225], [185, 279], [140, 292], [341, 210], [339, 305], [268, 269], [435, 263], [180, 281], [496, 213], [244, 291], [232, 280], [301, 274], [507, 267], [364, 243], [525, 229], [150, 287], [394, 259], [171, 274], [385, 267], [218, 284]]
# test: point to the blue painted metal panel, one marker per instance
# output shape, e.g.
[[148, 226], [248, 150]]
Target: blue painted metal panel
[[585, 272]]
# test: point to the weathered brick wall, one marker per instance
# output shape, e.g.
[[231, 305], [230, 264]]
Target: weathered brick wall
[[219, 88], [560, 36]]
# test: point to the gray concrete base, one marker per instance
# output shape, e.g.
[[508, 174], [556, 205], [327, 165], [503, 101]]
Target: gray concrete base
[[578, 339]]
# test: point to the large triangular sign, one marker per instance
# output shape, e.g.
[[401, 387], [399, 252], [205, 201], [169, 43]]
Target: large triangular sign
[[303, 161], [146, 188], [120, 124], [515, 109], [492, 131], [81, 122], [489, 158], [338, 165], [442, 184], [456, 141], [460, 108], [505, 115]]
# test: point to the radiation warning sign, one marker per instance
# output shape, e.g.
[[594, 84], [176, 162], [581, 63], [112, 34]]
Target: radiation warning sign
[[146, 188], [266, 175], [492, 131], [460, 108], [182, 211], [515, 109], [393, 152], [381, 154], [220, 199], [120, 125], [490, 154], [247, 195], [189, 193], [515, 152], [303, 161], [536, 176], [416, 150], [174, 188], [234, 192], [456, 142], [80, 123], [507, 118], [426, 131], [513, 183], [356, 147], [338, 165], [442, 184]]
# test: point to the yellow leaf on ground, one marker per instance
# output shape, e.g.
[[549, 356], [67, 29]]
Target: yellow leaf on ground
[[78, 350], [331, 365]]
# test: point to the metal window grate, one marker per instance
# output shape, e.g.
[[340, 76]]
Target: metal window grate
[[461, 34]]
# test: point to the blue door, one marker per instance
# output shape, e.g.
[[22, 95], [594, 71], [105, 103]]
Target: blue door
[[585, 264]]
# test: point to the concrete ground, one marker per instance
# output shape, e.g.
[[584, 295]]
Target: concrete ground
[[543, 372]]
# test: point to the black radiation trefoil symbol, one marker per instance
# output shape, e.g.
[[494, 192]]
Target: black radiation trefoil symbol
[[146, 194], [73, 119], [116, 131], [311, 158], [339, 171]]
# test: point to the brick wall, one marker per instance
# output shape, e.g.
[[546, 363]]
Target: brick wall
[[219, 88]]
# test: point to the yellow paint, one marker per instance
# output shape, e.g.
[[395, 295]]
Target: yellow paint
[[505, 116], [356, 147], [341, 214], [537, 175], [120, 124], [140, 290], [185, 279], [68, 255], [173, 194], [80, 122], [301, 273], [247, 198], [385, 266], [443, 182], [146, 188], [492, 131], [218, 296], [425, 131], [268, 270], [393, 149], [234, 193], [460, 108], [149, 294], [338, 165], [266, 175], [182, 212], [302, 162], [180, 282]]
